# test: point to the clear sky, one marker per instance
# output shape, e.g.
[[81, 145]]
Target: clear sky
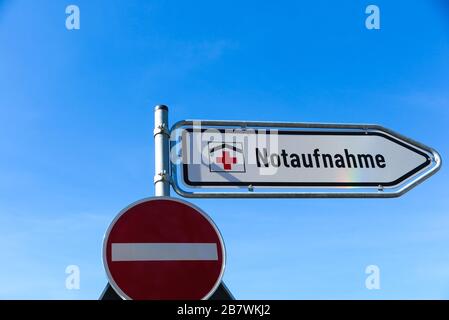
[[76, 135]]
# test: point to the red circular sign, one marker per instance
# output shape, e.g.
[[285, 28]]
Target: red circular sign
[[163, 248]]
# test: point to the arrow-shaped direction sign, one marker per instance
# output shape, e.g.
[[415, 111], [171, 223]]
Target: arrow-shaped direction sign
[[258, 159]]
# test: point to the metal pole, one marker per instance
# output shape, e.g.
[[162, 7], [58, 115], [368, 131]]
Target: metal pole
[[161, 151]]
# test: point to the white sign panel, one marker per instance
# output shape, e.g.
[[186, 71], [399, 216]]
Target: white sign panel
[[298, 158]]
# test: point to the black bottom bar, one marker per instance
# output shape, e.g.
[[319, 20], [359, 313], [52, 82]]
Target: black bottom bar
[[225, 310]]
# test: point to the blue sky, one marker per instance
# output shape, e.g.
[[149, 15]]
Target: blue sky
[[76, 135]]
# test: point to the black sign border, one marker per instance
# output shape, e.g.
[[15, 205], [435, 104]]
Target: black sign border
[[315, 184]]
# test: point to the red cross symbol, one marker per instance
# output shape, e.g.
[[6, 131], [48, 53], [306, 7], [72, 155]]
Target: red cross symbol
[[226, 160]]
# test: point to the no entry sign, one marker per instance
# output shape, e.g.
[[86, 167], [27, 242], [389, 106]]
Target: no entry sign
[[163, 248]]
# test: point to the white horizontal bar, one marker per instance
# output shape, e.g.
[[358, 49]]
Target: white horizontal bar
[[164, 251]]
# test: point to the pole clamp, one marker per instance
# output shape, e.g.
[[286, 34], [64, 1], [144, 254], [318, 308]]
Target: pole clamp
[[162, 176], [161, 129]]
